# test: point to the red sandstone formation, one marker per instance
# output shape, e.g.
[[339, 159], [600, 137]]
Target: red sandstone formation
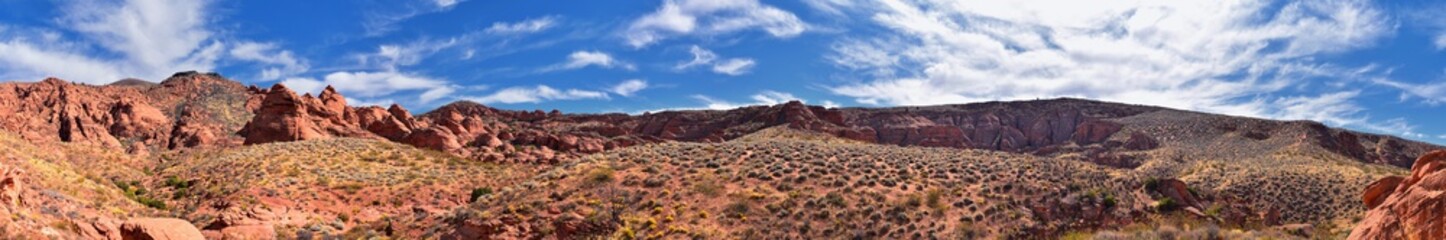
[[1407, 208], [187, 110]]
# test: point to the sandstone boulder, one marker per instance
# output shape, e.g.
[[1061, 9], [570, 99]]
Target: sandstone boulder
[[159, 229]]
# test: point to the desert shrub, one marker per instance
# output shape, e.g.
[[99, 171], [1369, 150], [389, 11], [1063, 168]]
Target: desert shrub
[[177, 183], [737, 209], [933, 198], [600, 175], [479, 192], [1214, 210], [835, 199], [1167, 232], [1111, 235], [708, 185], [150, 202], [1076, 236], [1166, 204]]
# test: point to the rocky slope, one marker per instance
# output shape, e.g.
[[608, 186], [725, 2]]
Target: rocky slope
[[75, 192], [186, 110], [797, 184], [1409, 207]]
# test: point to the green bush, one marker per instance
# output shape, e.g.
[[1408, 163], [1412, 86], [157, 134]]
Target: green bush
[[1165, 205], [177, 183], [152, 203], [479, 192], [600, 175]]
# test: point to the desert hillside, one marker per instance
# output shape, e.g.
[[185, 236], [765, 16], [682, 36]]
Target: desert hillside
[[237, 162]]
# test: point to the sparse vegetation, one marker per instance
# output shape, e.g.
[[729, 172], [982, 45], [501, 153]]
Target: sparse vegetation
[[478, 193]]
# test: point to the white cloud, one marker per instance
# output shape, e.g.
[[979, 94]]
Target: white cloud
[[281, 62], [1432, 93], [765, 97], [704, 57], [22, 60], [537, 94], [446, 3], [830, 104], [1332, 108], [304, 85], [1441, 42], [384, 102], [872, 56], [148, 39], [392, 56], [700, 57], [374, 84], [383, 19], [1209, 55], [1395, 126], [734, 67], [711, 17], [523, 27], [770, 97], [582, 59], [627, 88], [830, 7]]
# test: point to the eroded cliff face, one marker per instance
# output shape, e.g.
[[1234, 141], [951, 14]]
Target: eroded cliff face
[[187, 110]]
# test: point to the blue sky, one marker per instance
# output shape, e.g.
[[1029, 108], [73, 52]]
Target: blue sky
[[1376, 66]]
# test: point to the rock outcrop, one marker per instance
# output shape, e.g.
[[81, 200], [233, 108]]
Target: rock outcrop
[[159, 229], [1412, 208], [189, 109], [284, 116]]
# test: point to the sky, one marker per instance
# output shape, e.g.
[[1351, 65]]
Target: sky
[[1374, 66]]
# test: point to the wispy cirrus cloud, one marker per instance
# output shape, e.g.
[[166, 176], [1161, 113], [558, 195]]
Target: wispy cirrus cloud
[[536, 94], [383, 20], [704, 57], [711, 17], [765, 97], [582, 59], [376, 84], [629, 87], [1234, 57], [523, 27], [279, 63], [1431, 93]]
